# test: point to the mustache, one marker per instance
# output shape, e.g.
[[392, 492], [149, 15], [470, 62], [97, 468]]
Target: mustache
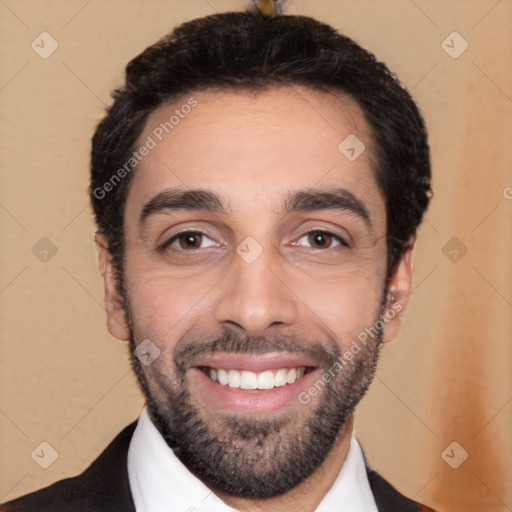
[[190, 349]]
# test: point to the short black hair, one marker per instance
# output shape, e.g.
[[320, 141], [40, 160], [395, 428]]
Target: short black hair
[[243, 51]]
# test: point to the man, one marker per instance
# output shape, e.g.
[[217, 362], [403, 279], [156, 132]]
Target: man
[[257, 185]]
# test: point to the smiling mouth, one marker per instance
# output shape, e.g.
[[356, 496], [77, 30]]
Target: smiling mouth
[[248, 380]]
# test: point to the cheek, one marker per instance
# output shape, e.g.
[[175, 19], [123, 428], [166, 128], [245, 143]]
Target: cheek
[[342, 306], [163, 307]]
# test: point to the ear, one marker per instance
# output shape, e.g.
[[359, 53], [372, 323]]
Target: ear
[[399, 292], [116, 319]]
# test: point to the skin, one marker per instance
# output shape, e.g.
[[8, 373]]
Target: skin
[[253, 149]]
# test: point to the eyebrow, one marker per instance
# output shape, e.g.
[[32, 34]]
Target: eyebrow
[[183, 199], [332, 198], [302, 200]]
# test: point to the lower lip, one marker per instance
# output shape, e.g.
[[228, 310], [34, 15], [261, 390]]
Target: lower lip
[[217, 396]]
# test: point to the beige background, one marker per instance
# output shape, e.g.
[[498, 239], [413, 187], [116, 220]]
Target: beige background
[[447, 377]]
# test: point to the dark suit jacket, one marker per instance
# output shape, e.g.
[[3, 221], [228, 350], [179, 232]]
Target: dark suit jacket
[[104, 487]]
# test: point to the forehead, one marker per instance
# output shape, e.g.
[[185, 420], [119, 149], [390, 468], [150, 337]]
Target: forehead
[[253, 148]]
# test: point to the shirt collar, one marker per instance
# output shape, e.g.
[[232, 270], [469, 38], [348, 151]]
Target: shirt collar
[[158, 478]]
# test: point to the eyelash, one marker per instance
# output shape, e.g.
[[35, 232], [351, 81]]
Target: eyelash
[[176, 237], [324, 232]]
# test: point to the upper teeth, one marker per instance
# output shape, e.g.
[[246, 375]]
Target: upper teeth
[[267, 379]]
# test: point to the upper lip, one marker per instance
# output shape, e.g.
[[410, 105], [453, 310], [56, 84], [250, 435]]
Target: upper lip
[[255, 362]]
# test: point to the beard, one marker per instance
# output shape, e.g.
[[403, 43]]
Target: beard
[[254, 457]]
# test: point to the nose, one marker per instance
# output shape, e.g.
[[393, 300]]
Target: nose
[[254, 297]]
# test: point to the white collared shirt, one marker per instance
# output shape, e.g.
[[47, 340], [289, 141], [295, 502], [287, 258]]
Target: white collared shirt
[[160, 482]]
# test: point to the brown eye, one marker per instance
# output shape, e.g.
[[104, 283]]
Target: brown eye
[[188, 241], [320, 240], [323, 240]]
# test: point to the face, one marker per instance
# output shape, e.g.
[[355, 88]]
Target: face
[[255, 260]]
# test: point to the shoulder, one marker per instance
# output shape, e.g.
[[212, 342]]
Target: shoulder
[[103, 486], [387, 498]]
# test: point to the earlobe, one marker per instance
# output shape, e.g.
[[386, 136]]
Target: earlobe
[[114, 303], [399, 291]]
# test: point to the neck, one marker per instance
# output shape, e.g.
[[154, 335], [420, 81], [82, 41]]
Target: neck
[[306, 496]]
